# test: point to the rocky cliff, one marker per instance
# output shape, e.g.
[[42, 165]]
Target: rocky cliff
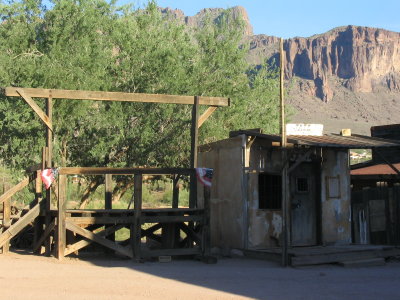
[[363, 59], [354, 70]]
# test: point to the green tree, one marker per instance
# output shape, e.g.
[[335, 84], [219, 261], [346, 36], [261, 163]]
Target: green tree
[[95, 45]]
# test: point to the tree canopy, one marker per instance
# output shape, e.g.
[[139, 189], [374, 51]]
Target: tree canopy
[[97, 45]]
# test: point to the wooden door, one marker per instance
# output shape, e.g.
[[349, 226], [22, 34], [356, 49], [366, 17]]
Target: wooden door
[[303, 205]]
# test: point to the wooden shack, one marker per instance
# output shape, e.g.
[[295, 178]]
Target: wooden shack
[[376, 192], [246, 202]]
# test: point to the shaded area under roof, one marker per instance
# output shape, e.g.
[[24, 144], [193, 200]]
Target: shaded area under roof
[[354, 141]]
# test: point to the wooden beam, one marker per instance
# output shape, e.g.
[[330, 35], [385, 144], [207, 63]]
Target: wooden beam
[[115, 96], [14, 229], [175, 191], [98, 239], [35, 107], [14, 189], [206, 115], [61, 232], [46, 233], [83, 243], [194, 136], [136, 227], [123, 171]]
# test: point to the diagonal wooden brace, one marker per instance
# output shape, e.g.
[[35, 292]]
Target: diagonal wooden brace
[[46, 120]]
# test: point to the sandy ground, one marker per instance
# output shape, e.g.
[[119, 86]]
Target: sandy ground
[[33, 277]]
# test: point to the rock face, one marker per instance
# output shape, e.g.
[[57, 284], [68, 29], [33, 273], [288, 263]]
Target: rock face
[[237, 12], [354, 70], [363, 59]]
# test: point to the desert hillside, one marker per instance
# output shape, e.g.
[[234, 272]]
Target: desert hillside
[[348, 77]]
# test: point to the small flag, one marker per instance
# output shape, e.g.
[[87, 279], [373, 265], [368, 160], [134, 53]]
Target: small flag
[[48, 176], [204, 175]]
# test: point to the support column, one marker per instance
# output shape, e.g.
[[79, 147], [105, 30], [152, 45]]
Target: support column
[[6, 219], [61, 229], [194, 135], [48, 161], [136, 227]]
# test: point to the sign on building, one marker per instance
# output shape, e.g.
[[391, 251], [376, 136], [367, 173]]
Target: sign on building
[[304, 129]]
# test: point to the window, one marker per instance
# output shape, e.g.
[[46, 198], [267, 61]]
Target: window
[[302, 185], [269, 191], [333, 187]]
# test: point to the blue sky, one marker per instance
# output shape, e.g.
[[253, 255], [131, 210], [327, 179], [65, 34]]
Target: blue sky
[[303, 18]]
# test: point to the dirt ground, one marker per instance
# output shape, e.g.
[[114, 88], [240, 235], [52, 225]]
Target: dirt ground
[[33, 277]]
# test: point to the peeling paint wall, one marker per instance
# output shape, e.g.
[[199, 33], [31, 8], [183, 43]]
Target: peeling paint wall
[[335, 197], [227, 214], [264, 225]]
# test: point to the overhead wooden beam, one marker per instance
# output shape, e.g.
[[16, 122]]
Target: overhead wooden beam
[[122, 171], [114, 96], [206, 115], [42, 115]]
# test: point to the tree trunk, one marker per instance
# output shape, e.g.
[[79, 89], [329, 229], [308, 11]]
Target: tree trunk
[[92, 186]]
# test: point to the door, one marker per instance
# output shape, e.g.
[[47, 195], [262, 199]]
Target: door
[[303, 205]]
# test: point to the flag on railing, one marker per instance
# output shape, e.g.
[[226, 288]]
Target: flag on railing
[[48, 176], [204, 175]]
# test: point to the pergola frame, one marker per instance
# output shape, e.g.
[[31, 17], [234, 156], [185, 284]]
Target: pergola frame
[[61, 225]]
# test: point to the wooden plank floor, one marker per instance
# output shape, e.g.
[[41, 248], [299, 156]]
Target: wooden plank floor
[[301, 256]]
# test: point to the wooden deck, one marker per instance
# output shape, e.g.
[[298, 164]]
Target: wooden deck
[[303, 256]]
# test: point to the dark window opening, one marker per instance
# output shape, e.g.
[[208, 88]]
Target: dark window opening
[[302, 185], [269, 191]]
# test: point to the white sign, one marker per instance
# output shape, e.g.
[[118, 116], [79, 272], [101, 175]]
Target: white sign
[[304, 129]]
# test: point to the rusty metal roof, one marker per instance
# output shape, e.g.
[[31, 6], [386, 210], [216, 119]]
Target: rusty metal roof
[[383, 169], [354, 141]]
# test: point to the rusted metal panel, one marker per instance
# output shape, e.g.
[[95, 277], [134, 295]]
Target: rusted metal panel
[[335, 207], [329, 141]]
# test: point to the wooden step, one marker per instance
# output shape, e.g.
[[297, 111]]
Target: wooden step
[[373, 262]]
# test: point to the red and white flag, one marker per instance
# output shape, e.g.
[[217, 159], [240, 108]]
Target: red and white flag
[[204, 175], [48, 176]]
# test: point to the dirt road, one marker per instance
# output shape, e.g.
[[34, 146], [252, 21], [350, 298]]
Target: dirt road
[[32, 277]]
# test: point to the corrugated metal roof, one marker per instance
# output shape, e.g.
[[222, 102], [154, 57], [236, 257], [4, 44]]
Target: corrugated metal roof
[[354, 141], [379, 169]]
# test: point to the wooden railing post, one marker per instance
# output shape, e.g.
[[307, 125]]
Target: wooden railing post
[[194, 134], [175, 191], [136, 227], [108, 203], [38, 226], [206, 228], [61, 229], [6, 218]]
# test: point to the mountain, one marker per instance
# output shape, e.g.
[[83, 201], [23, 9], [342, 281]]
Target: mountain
[[348, 77]]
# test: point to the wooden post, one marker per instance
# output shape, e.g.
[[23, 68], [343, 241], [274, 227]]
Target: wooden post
[[285, 179], [136, 227], [206, 229], [193, 154], [48, 164], [38, 226], [108, 202], [6, 219], [175, 191], [61, 229]]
